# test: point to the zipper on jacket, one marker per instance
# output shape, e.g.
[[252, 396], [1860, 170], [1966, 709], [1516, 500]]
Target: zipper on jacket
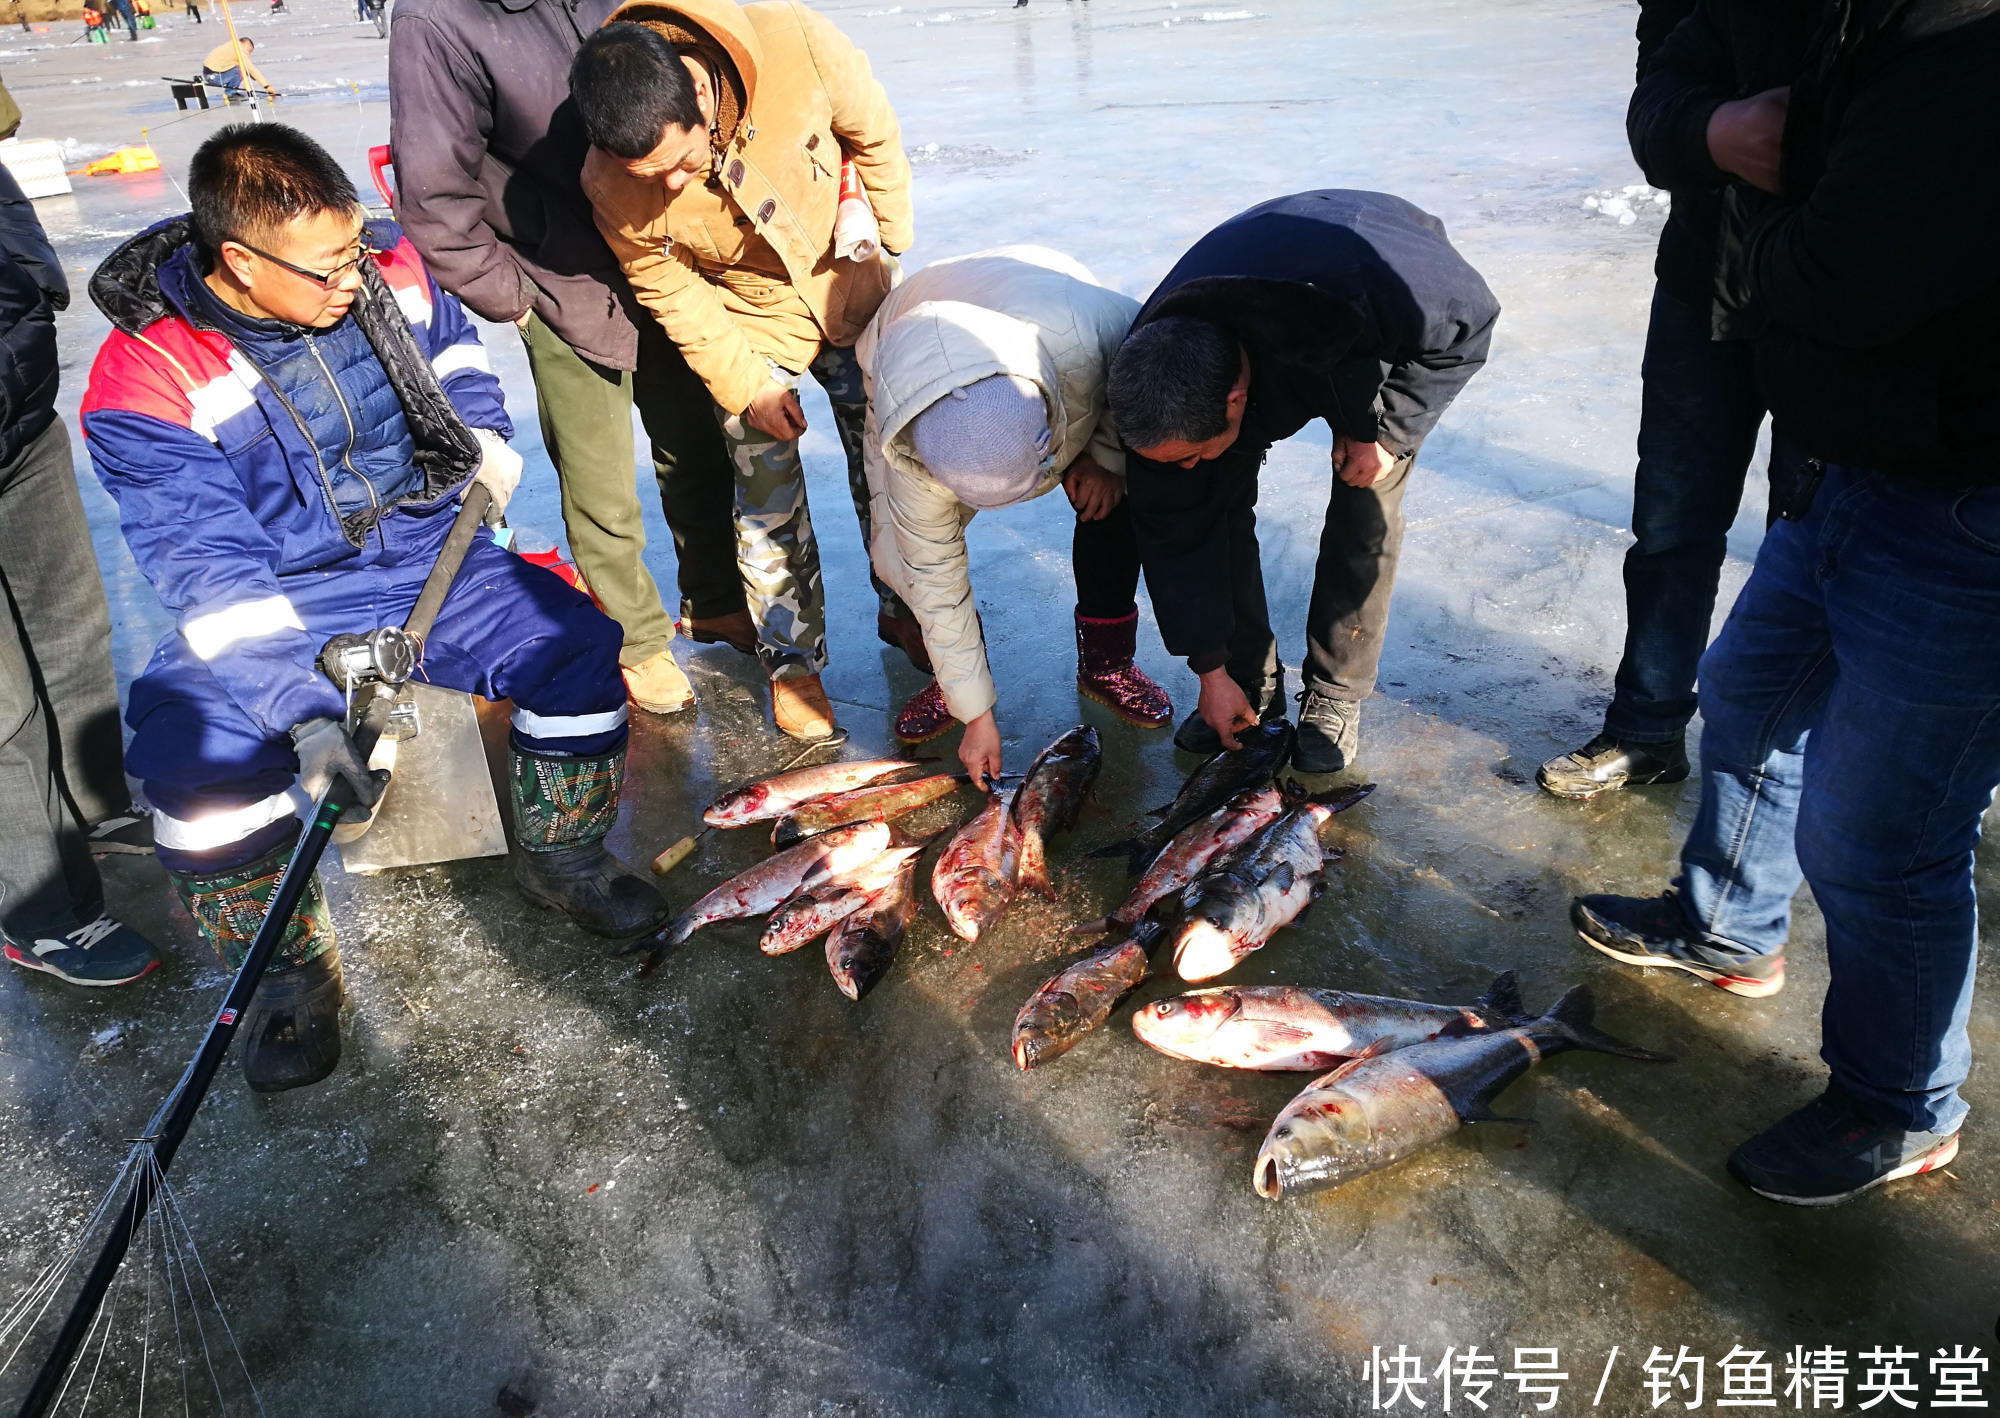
[[374, 503]]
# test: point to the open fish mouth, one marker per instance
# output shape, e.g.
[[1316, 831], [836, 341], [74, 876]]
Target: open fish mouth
[[1265, 1179], [1205, 950]]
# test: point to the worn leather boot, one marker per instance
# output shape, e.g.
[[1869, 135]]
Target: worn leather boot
[[800, 710], [563, 807], [1604, 765], [925, 717], [906, 635], [658, 685], [736, 630], [1329, 733], [291, 1031], [1105, 672]]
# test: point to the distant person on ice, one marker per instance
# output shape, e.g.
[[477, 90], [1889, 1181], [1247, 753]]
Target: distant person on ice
[[985, 378], [288, 410], [219, 68], [719, 132], [1346, 306]]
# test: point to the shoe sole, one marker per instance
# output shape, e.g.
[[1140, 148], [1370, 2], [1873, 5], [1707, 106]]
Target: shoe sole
[[1932, 1161], [1596, 790], [701, 637], [27, 962], [1742, 985], [658, 708], [1123, 717], [933, 734]]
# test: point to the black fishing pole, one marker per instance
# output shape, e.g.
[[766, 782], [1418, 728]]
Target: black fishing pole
[[169, 1125]]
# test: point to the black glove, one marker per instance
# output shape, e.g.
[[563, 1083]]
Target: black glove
[[325, 753]]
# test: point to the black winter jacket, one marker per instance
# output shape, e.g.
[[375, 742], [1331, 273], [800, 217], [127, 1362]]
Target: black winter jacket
[[1880, 271], [489, 153], [1723, 50], [1353, 308], [32, 290]]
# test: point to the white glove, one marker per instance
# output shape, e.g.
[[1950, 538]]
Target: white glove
[[325, 753], [499, 472]]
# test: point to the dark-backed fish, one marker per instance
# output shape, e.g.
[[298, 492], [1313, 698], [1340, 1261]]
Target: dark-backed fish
[[1244, 897], [1191, 853], [860, 949], [1280, 1028], [1049, 798], [1383, 1106], [1220, 777], [813, 913], [975, 873], [1076, 1000]]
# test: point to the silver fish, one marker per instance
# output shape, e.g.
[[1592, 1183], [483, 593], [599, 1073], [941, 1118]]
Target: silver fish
[[1191, 853], [1074, 1001], [811, 914], [1278, 1028], [1386, 1104], [1050, 796], [860, 949], [974, 877], [777, 796]]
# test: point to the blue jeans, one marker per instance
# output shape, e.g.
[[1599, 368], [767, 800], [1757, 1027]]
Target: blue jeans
[[1851, 734], [1698, 424]]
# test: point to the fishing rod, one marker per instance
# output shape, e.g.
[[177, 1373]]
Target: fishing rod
[[169, 1125]]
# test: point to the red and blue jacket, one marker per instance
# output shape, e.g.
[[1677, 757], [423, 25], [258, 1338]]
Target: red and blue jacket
[[243, 452]]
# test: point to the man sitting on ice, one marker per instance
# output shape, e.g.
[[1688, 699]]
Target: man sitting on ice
[[287, 412]]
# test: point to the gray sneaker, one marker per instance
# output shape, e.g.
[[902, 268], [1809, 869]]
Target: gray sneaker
[[1604, 765], [1329, 733]]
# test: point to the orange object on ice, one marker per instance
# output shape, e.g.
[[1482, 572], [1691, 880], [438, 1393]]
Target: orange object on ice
[[139, 159]]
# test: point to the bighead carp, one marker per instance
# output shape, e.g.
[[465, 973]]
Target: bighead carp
[[1049, 798], [1220, 777], [1191, 853], [974, 877], [1076, 1000], [1277, 1028], [860, 949], [1386, 1104], [1245, 896], [876, 802]]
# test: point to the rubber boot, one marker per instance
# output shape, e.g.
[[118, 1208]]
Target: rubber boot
[[563, 808], [1105, 672], [291, 1032]]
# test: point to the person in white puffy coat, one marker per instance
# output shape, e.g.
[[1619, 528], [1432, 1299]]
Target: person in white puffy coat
[[985, 377]]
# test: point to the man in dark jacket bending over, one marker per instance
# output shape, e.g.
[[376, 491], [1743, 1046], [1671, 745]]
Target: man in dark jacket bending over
[[287, 412], [1346, 306]]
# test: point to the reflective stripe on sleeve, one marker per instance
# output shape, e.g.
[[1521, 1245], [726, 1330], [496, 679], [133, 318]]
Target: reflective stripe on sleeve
[[566, 726], [208, 635], [415, 303], [456, 357], [218, 829]]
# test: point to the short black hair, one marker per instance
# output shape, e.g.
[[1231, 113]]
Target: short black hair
[[1170, 382], [630, 86], [248, 180]]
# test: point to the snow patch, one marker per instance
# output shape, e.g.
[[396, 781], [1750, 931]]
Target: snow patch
[[1624, 204]]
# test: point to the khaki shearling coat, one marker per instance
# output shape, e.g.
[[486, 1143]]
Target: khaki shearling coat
[[739, 269]]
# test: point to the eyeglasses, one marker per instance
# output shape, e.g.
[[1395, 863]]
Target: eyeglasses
[[323, 279]]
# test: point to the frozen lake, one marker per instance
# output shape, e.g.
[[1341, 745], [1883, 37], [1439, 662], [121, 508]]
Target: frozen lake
[[727, 1190]]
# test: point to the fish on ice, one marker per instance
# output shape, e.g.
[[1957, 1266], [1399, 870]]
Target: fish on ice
[[867, 804], [1190, 853], [1049, 798], [973, 879], [1388, 1103], [776, 796], [859, 950], [1074, 1001], [1280, 1028], [1220, 777]]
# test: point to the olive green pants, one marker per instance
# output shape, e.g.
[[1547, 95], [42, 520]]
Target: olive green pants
[[585, 411]]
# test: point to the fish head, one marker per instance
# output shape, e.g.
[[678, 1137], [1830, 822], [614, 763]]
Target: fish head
[[1203, 949], [736, 808], [1267, 801], [1315, 1142], [1185, 1026]]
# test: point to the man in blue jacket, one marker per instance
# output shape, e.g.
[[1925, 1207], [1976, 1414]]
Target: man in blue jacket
[[287, 412], [1351, 307]]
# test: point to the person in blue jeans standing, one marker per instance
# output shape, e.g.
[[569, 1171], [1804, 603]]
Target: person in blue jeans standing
[[1851, 704], [1701, 408]]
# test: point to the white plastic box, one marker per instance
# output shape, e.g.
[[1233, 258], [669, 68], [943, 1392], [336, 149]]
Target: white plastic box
[[37, 166]]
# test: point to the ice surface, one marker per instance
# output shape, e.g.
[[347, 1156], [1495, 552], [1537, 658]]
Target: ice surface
[[730, 1191]]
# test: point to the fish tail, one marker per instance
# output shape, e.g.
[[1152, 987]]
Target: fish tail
[[1100, 926], [1033, 872], [1124, 846], [1501, 1004], [1341, 799], [1569, 1020]]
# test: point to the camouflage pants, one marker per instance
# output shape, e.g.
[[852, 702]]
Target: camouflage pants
[[775, 548]]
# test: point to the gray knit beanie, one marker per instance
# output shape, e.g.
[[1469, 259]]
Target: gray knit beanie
[[988, 442]]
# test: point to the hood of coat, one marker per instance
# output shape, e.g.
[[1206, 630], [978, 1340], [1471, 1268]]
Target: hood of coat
[[1293, 321], [942, 345], [722, 21], [126, 285]]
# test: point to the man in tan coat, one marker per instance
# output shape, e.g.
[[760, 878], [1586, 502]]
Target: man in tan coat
[[718, 137]]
